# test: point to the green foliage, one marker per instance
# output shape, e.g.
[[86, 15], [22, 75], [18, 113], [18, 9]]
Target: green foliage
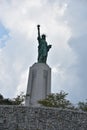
[[16, 101], [19, 99], [6, 102], [1, 97], [82, 106], [57, 100]]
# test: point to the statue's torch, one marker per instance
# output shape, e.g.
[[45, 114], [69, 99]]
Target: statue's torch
[[38, 27]]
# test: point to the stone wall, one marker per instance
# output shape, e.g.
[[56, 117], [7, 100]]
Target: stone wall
[[41, 118]]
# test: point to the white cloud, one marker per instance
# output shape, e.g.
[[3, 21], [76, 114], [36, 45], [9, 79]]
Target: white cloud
[[77, 20], [76, 15], [22, 85]]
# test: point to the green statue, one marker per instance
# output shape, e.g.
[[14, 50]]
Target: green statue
[[43, 48]]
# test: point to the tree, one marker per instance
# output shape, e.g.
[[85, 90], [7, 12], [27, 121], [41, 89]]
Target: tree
[[1, 97], [19, 99], [82, 106], [57, 100], [4, 101], [15, 101]]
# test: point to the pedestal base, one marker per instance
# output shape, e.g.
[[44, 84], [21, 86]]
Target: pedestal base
[[39, 84]]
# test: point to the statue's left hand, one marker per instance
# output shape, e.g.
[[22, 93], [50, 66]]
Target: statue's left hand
[[50, 46]]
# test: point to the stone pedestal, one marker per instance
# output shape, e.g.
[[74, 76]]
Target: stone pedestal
[[39, 84]]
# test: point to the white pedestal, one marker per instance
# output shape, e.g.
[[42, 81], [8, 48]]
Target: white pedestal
[[39, 84]]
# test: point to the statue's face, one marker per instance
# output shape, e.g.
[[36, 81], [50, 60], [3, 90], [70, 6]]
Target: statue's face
[[44, 37]]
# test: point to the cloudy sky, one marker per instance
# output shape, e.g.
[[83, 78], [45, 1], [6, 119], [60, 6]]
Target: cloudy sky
[[65, 24]]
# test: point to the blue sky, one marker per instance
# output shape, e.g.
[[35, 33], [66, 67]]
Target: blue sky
[[3, 31], [64, 22], [4, 35]]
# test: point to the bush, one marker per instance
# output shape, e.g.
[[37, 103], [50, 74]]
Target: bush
[[57, 100]]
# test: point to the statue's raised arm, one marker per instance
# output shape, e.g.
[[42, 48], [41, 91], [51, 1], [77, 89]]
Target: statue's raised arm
[[43, 48], [38, 28]]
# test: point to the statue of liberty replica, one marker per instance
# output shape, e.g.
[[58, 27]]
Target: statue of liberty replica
[[43, 48], [39, 81]]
